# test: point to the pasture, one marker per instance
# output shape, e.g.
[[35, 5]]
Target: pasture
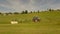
[[49, 24]]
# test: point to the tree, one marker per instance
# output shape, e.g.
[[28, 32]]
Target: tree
[[0, 13], [9, 13], [31, 12], [38, 11], [22, 12], [26, 11], [6, 14], [50, 10], [16, 13], [58, 9]]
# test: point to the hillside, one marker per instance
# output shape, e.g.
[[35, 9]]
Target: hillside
[[46, 17], [49, 24]]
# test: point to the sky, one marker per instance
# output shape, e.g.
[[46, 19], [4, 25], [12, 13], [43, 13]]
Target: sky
[[30, 5]]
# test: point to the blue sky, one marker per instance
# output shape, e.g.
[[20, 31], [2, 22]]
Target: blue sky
[[31, 5]]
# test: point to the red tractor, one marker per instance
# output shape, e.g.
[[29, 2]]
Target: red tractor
[[36, 19]]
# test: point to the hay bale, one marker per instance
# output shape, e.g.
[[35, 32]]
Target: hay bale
[[14, 22]]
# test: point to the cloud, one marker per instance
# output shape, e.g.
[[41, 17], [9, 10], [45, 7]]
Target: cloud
[[20, 5]]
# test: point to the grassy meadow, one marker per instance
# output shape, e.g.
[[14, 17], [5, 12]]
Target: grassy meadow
[[49, 23]]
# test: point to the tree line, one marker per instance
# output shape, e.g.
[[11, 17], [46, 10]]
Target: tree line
[[10, 13], [26, 12]]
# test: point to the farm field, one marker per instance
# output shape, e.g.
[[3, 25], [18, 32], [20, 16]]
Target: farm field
[[49, 23], [29, 29]]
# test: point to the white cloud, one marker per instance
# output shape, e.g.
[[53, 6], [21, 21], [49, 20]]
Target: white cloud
[[20, 5]]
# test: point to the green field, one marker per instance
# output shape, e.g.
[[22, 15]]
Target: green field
[[49, 24]]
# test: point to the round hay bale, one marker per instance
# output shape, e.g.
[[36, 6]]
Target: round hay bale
[[14, 22]]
